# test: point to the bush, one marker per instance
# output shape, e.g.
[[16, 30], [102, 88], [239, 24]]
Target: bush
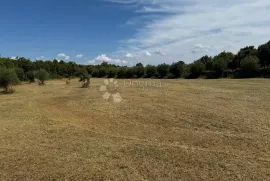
[[139, 70], [102, 72], [8, 77], [20, 74], [129, 73], [177, 69], [121, 72], [150, 71], [30, 76], [219, 66], [196, 69], [249, 67], [162, 70], [42, 75], [265, 72], [112, 72]]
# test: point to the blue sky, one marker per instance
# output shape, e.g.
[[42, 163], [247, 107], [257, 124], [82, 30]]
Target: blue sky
[[130, 31]]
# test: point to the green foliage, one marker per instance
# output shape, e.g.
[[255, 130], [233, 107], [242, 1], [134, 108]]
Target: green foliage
[[8, 77], [129, 72], [121, 73], [177, 69], [102, 72], [30, 76], [150, 71], [222, 65], [42, 75], [163, 70], [112, 72], [20, 74], [219, 66], [196, 69], [249, 66], [139, 70], [264, 54]]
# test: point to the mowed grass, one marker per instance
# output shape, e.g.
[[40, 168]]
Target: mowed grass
[[179, 130]]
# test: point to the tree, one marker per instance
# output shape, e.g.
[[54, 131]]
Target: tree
[[30, 76], [8, 77], [207, 61], [112, 72], [163, 70], [20, 74], [86, 80], [121, 73], [264, 54], [129, 72], [102, 72], [42, 75], [139, 70], [219, 66], [150, 71], [249, 66], [177, 69], [196, 69]]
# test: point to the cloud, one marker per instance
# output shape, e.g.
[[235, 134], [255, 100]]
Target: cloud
[[13, 58], [148, 54], [40, 58], [128, 55], [62, 55], [79, 56], [176, 27], [200, 48], [104, 58], [159, 52]]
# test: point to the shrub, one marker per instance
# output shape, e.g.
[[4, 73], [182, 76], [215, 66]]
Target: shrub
[[102, 72], [129, 72], [30, 76], [219, 65], [20, 74], [249, 66], [177, 69], [162, 70], [196, 69], [42, 75], [139, 70], [265, 72], [8, 77], [112, 72], [150, 71], [121, 73]]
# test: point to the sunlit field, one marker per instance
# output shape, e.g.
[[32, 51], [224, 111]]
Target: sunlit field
[[152, 130]]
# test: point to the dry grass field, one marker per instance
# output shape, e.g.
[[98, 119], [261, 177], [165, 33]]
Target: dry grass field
[[179, 130]]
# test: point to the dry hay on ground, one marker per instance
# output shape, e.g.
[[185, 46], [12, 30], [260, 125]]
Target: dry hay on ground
[[182, 130]]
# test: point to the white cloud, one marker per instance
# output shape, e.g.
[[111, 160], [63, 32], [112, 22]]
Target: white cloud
[[176, 26], [104, 58], [128, 55], [62, 55], [79, 56], [91, 62], [200, 48], [159, 52], [148, 54], [13, 58], [40, 58]]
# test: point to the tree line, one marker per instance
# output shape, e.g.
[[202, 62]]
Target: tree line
[[248, 62]]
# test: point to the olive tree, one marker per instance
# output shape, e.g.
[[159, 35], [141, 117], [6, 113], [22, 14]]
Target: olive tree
[[8, 77], [42, 75]]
